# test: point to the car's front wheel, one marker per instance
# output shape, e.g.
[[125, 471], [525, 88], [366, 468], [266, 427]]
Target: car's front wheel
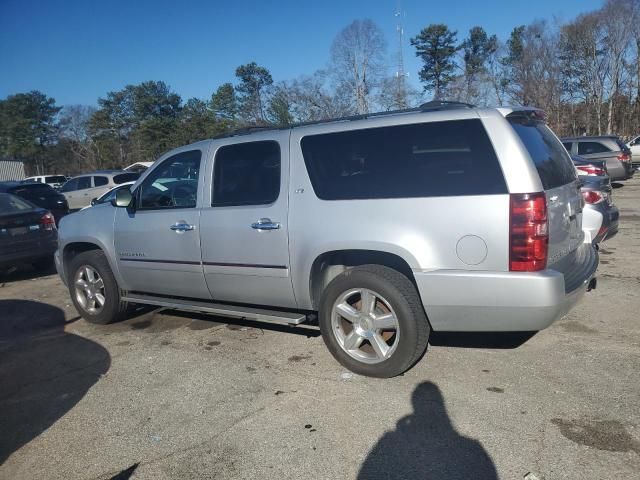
[[93, 288], [373, 322]]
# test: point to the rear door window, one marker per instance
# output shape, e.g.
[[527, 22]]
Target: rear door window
[[586, 148], [246, 174], [551, 159], [100, 181], [405, 161]]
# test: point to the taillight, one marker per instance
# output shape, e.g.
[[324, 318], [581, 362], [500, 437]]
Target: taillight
[[591, 170], [47, 222], [592, 197], [528, 232], [624, 157]]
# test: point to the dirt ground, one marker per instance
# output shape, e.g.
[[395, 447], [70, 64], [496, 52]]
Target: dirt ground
[[169, 395]]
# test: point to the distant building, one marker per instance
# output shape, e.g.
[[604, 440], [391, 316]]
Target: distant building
[[11, 170]]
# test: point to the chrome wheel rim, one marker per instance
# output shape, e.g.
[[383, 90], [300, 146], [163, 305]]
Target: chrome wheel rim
[[89, 290], [365, 325]]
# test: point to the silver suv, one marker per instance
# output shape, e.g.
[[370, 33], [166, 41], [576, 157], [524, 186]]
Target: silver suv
[[381, 227]]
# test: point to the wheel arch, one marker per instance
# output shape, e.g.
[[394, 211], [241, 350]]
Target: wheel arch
[[72, 249], [328, 265]]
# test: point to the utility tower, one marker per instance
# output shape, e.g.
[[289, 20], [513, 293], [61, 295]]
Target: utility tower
[[401, 88]]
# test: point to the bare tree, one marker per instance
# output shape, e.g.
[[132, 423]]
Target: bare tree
[[358, 61], [74, 127], [618, 20]]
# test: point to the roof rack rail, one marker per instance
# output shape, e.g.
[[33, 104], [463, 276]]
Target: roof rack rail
[[443, 105]]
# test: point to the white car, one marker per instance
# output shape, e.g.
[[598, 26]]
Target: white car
[[634, 146], [56, 181], [80, 190], [110, 195]]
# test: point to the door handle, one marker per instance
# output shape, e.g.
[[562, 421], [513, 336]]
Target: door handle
[[265, 224], [181, 227]]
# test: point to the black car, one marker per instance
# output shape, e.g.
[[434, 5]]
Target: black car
[[39, 194], [28, 233]]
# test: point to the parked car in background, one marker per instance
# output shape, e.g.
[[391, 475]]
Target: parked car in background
[[110, 195], [40, 194], [80, 190], [634, 146], [56, 181], [589, 168], [28, 233], [599, 215], [138, 167], [282, 225], [608, 148]]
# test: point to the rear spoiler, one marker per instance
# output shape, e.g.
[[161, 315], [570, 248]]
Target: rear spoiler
[[530, 113]]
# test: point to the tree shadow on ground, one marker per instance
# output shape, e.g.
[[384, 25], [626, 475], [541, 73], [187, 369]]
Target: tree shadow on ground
[[426, 446], [44, 371]]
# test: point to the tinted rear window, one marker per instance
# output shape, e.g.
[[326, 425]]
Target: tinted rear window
[[623, 147], [552, 161], [418, 160], [12, 204], [125, 177]]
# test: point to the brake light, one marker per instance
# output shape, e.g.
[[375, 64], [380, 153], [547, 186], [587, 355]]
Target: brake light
[[528, 232], [591, 170], [592, 197], [624, 157], [47, 222]]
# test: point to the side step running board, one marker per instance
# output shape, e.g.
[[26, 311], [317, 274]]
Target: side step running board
[[249, 313]]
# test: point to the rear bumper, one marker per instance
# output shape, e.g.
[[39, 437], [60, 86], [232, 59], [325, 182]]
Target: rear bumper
[[600, 222], [37, 250], [467, 301]]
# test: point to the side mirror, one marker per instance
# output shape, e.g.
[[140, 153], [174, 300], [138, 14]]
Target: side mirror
[[94, 201], [123, 198]]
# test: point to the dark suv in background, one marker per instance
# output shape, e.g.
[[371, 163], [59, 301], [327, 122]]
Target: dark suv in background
[[608, 148]]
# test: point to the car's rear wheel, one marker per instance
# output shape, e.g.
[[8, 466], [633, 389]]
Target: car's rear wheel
[[373, 322], [94, 290]]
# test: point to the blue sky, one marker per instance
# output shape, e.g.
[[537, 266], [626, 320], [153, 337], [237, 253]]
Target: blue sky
[[76, 51]]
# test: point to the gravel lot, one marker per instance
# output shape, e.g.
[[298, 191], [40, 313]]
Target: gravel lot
[[169, 395]]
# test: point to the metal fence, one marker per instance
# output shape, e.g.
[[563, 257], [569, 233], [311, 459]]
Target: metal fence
[[11, 170]]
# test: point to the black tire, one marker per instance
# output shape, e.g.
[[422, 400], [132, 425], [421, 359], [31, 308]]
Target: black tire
[[402, 297], [114, 308], [44, 263]]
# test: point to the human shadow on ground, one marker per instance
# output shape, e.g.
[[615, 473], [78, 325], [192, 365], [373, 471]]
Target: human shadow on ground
[[426, 446], [44, 371]]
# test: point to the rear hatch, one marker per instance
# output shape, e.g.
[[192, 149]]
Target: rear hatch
[[560, 183], [21, 229]]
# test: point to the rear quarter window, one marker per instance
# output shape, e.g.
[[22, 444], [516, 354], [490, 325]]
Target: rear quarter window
[[552, 161], [420, 160]]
